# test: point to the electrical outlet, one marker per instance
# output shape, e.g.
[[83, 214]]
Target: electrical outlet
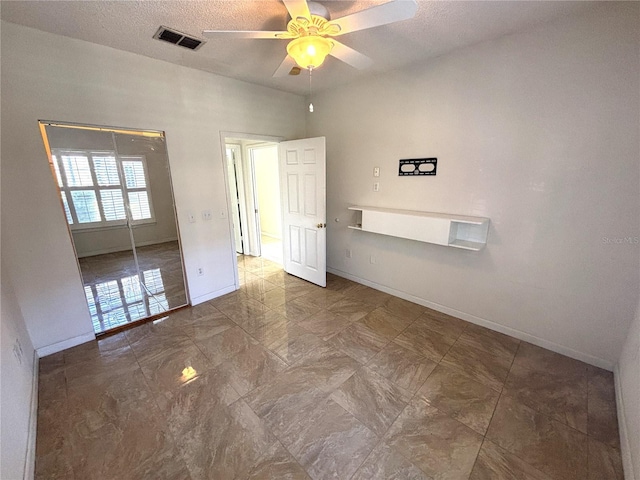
[[17, 351], [206, 215], [200, 271], [348, 253], [376, 187], [373, 260]]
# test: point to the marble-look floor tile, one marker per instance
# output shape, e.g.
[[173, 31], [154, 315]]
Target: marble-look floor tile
[[51, 364], [338, 284], [152, 348], [366, 294], [278, 464], [166, 329], [548, 445], [272, 298], [489, 369], [446, 325], [359, 342], [251, 368], [495, 343], [267, 327], [53, 465], [107, 443], [401, 366], [225, 345], [350, 309], [560, 397], [52, 414], [461, 397], [419, 339], [294, 344], [495, 463], [385, 323], [221, 442], [284, 402], [331, 443], [206, 326], [324, 324], [297, 309], [440, 446], [243, 311], [322, 297], [257, 287], [107, 394], [385, 464], [602, 422], [198, 396], [176, 367], [537, 358], [325, 367], [604, 462], [372, 399], [402, 308]]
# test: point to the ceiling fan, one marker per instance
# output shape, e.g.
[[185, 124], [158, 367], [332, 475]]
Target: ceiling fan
[[311, 30]]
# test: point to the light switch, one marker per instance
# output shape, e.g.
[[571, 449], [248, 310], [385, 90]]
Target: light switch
[[191, 217]]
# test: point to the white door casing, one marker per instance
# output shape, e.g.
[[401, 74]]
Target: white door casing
[[303, 190]]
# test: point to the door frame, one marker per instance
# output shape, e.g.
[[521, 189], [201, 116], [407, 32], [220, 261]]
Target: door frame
[[224, 135]]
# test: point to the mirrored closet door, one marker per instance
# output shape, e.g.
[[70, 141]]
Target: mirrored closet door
[[115, 191]]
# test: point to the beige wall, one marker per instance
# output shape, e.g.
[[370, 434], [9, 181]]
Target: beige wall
[[18, 389], [111, 87], [537, 131], [628, 389]]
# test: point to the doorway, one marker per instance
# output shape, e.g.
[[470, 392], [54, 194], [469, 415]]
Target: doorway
[[254, 197]]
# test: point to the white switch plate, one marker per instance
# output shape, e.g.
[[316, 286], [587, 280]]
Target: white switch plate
[[376, 171], [192, 218], [348, 253], [376, 187], [373, 260]]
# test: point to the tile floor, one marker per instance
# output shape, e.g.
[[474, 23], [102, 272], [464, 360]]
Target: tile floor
[[116, 296], [285, 380]]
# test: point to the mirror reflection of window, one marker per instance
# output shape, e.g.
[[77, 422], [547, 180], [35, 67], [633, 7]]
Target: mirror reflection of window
[[116, 196]]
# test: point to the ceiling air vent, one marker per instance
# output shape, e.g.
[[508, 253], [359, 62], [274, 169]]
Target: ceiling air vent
[[178, 38]]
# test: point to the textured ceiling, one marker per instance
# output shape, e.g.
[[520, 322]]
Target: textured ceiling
[[438, 27]]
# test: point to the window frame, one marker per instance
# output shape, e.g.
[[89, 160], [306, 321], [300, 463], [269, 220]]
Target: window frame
[[65, 189]]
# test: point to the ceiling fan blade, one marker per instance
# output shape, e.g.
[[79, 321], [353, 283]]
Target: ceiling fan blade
[[245, 33], [285, 67], [389, 12], [349, 56], [297, 8]]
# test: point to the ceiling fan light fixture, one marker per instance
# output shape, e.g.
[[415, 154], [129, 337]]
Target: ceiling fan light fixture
[[309, 51]]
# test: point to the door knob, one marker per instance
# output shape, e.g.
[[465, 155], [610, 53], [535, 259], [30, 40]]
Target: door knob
[[321, 225]]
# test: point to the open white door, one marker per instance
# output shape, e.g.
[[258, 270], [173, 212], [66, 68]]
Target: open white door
[[303, 189]]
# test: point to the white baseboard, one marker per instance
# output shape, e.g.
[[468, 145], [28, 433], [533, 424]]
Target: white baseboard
[[71, 342], [104, 251], [541, 342], [210, 296], [30, 457], [625, 447]]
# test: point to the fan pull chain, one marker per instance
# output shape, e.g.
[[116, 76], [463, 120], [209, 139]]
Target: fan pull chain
[[310, 104]]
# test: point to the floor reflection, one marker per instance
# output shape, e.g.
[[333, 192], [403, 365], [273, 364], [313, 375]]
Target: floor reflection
[[117, 295]]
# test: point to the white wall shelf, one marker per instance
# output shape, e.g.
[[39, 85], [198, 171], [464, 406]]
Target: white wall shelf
[[469, 233]]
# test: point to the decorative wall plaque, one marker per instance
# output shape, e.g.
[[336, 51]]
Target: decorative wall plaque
[[417, 166]]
